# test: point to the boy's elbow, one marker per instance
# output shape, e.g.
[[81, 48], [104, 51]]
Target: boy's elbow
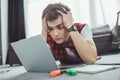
[[91, 61]]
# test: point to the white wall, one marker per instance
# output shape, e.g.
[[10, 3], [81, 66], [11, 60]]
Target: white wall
[[33, 12], [4, 25]]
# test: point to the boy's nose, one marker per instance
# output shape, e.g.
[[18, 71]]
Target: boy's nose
[[55, 32]]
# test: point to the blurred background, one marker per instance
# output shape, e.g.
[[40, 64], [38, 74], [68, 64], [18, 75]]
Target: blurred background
[[21, 19]]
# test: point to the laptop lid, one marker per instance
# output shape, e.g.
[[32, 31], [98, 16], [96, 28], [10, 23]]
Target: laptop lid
[[35, 54]]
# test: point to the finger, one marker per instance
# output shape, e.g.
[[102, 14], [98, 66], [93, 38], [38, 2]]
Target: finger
[[67, 12], [44, 19], [63, 12], [60, 12]]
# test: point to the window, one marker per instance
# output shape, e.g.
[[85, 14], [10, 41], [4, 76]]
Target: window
[[95, 13]]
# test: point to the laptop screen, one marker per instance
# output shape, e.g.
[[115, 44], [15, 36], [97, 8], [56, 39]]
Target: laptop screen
[[35, 54]]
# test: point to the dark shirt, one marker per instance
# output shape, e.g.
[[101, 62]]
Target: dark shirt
[[66, 51]]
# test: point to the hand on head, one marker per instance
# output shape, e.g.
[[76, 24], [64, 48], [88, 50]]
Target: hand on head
[[44, 28], [67, 18]]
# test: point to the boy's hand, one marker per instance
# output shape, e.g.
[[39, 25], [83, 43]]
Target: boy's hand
[[44, 28], [67, 19]]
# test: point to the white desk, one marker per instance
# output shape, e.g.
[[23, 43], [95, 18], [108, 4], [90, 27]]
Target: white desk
[[19, 73]]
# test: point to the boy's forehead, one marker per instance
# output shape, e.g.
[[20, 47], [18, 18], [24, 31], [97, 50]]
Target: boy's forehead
[[55, 23]]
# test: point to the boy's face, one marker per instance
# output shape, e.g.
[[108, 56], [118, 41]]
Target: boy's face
[[57, 30]]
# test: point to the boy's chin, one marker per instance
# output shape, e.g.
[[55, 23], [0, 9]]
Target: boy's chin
[[59, 42]]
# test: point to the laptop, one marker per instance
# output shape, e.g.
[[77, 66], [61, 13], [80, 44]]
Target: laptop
[[34, 54]]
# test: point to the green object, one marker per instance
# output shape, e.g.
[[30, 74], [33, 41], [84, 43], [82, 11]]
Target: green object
[[71, 72], [68, 71]]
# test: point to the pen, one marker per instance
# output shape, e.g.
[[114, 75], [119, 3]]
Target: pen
[[98, 58]]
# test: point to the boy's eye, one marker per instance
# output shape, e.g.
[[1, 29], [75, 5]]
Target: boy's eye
[[50, 28], [61, 26]]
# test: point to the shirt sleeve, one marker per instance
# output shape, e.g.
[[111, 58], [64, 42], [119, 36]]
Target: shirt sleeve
[[87, 33]]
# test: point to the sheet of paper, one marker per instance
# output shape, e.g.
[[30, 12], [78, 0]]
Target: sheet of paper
[[93, 68], [109, 59]]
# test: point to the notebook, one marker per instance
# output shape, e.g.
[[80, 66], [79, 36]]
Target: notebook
[[113, 59], [91, 69]]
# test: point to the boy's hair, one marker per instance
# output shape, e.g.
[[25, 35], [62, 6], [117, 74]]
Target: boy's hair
[[50, 12]]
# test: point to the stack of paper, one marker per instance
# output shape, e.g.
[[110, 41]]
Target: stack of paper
[[109, 59], [93, 68], [106, 62]]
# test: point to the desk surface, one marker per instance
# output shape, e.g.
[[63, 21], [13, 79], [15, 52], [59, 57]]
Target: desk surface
[[19, 73]]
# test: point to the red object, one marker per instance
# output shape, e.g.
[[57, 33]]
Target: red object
[[98, 58]]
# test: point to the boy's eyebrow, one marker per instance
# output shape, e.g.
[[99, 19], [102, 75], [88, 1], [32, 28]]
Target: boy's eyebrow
[[55, 26], [50, 27], [59, 24]]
